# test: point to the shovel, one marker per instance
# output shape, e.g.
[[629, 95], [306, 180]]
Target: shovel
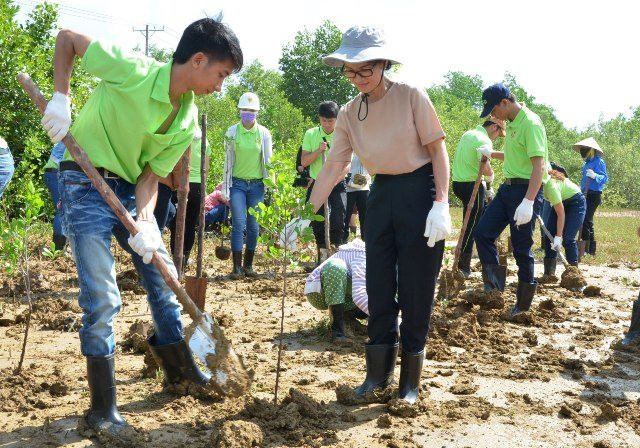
[[197, 286], [582, 245], [206, 339], [451, 282], [548, 235]]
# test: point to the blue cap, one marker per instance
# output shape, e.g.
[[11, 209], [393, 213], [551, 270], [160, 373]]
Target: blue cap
[[492, 96]]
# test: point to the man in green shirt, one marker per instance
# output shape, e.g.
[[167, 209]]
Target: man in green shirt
[[466, 164], [316, 146], [520, 196], [135, 126]]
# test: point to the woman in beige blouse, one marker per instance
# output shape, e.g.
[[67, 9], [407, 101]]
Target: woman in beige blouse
[[394, 130]]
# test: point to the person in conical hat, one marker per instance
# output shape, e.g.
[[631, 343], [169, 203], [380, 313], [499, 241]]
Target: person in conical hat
[[594, 172]]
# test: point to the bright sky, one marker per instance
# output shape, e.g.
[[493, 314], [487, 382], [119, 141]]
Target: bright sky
[[577, 56]]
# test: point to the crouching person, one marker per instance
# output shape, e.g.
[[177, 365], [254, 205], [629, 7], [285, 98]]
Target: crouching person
[[134, 127], [339, 284]]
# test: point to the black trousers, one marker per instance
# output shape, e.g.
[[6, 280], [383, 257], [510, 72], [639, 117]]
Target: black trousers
[[594, 198], [191, 220], [463, 191], [359, 199], [337, 206], [399, 262]]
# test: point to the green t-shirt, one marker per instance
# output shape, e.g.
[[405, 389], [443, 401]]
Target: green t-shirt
[[311, 141], [196, 155], [526, 138], [117, 125], [556, 191], [466, 159], [248, 150]]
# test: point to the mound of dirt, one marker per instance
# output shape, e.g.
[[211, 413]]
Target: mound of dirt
[[298, 420], [237, 434], [54, 314], [592, 291], [28, 390], [486, 300], [451, 282], [572, 279], [128, 281], [136, 338]]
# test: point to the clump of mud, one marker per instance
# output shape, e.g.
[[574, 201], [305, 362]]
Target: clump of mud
[[128, 281], [237, 434], [592, 291], [609, 412], [136, 338], [572, 279], [54, 314], [27, 391], [346, 395], [487, 300], [298, 420], [451, 282]]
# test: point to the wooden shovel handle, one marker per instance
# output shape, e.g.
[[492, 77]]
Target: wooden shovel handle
[[181, 212], [110, 198], [467, 215], [203, 193]]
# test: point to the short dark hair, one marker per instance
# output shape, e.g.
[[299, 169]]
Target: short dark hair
[[488, 123], [211, 37], [512, 98], [328, 109]]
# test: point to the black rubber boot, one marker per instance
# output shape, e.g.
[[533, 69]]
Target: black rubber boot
[[633, 335], [177, 363], [591, 248], [494, 277], [550, 265], [59, 241], [103, 416], [247, 265], [380, 362], [464, 264], [410, 370], [237, 272], [524, 297], [338, 332]]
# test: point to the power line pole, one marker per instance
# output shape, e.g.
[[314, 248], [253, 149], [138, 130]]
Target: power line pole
[[147, 32]]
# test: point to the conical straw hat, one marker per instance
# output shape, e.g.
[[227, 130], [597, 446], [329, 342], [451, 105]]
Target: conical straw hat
[[589, 143]]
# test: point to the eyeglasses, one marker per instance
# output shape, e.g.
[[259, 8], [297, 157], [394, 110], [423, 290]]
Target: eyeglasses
[[364, 73]]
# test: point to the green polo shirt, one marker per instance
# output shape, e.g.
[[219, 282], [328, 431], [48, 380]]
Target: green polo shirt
[[556, 191], [196, 159], [117, 126], [466, 159], [526, 138], [248, 149], [310, 142]]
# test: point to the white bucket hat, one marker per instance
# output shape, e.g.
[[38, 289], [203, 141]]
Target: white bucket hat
[[589, 143], [361, 44]]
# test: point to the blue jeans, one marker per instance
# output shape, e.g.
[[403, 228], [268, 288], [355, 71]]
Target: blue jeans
[[51, 181], [574, 210], [89, 224], [245, 194], [6, 170], [497, 216], [216, 214]]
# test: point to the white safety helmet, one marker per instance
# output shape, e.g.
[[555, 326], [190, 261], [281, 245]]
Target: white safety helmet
[[250, 101]]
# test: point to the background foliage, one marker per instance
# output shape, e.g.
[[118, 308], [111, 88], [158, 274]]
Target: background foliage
[[289, 98]]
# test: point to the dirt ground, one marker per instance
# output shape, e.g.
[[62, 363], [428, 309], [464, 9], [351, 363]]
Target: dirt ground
[[552, 378]]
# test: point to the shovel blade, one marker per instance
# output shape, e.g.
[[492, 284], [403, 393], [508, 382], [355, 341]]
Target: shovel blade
[[229, 376]]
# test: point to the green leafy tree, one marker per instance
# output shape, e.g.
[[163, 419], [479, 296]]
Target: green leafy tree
[[306, 81]]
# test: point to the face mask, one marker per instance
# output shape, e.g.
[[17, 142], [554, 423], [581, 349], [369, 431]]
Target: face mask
[[248, 117]]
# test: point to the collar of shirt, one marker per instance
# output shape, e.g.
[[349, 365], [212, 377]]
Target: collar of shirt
[[519, 118], [160, 90], [244, 130], [483, 130]]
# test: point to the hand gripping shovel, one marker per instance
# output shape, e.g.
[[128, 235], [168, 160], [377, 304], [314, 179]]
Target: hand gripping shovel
[[451, 282], [548, 235], [207, 341], [197, 286]]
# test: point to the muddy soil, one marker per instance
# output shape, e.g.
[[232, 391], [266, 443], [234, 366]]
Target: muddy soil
[[553, 377]]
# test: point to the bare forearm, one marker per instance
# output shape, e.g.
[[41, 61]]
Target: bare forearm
[[327, 178], [68, 45], [440, 163], [308, 157], [535, 182], [498, 155], [561, 218], [146, 194]]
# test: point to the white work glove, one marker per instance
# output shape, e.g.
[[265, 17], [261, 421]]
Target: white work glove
[[57, 117], [438, 223], [557, 243], [489, 179], [485, 151], [524, 212], [490, 194], [146, 241], [590, 173], [289, 234]]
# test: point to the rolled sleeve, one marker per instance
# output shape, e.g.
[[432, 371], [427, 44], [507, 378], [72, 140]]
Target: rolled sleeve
[[110, 63], [552, 193], [307, 141], [425, 117], [164, 163]]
